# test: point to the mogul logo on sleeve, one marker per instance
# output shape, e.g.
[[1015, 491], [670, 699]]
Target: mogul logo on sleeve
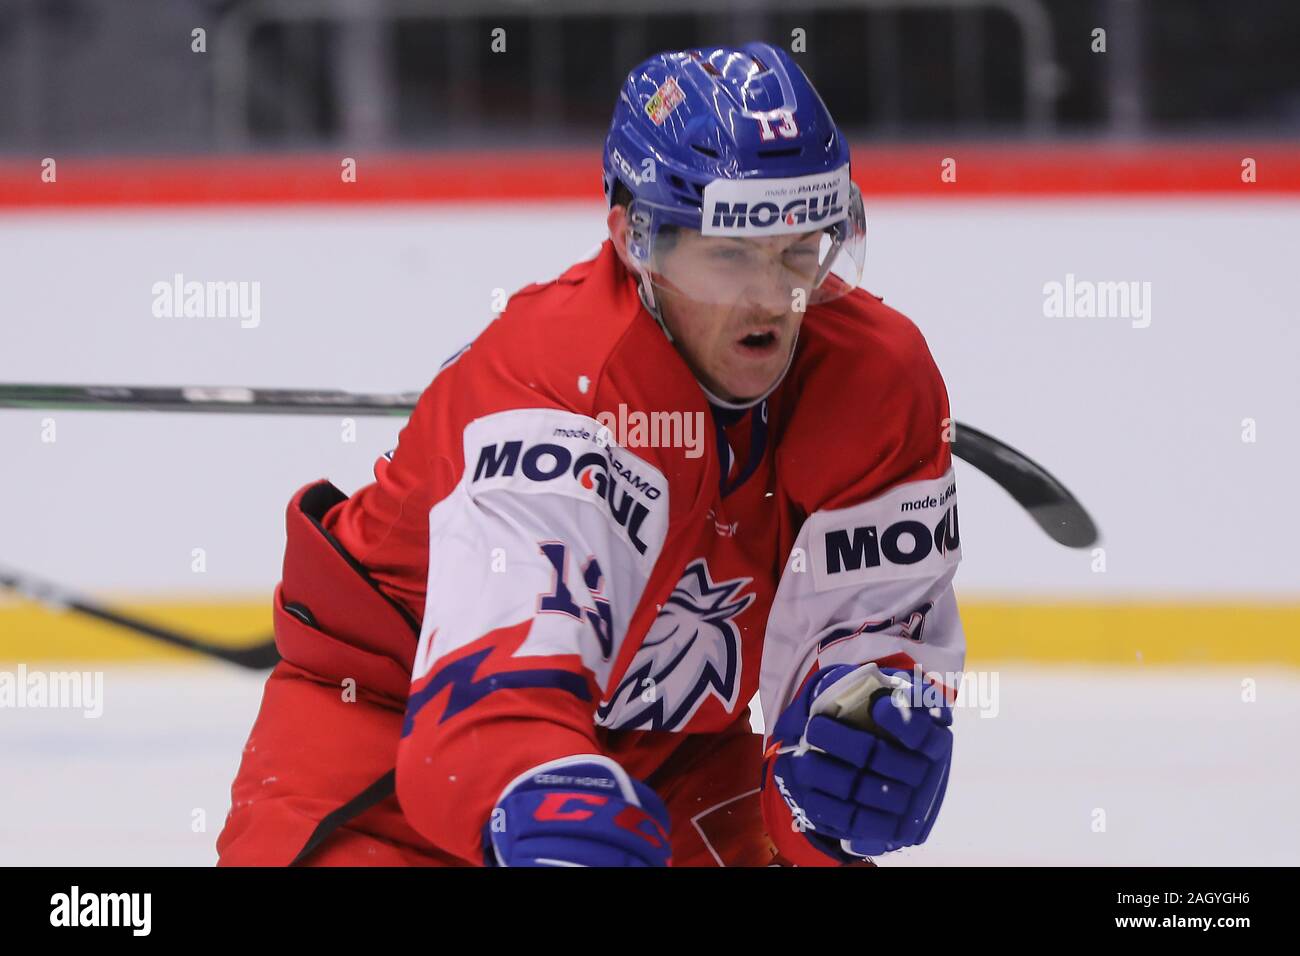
[[536, 451], [911, 531]]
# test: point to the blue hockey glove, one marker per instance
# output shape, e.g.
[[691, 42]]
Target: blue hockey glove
[[578, 811], [855, 767]]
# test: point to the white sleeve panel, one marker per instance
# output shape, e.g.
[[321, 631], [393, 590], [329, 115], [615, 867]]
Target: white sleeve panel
[[548, 524], [866, 582]]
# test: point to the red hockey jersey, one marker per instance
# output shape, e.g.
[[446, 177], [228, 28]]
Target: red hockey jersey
[[604, 562]]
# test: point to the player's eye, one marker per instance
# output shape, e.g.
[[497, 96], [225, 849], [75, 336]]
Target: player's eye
[[730, 254], [801, 257]]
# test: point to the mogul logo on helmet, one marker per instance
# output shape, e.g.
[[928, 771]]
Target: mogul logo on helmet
[[766, 207]]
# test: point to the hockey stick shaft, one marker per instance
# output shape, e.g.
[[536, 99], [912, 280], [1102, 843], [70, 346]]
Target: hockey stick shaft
[[222, 399], [1048, 502], [259, 656]]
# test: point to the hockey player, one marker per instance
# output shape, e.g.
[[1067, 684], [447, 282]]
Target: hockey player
[[545, 619]]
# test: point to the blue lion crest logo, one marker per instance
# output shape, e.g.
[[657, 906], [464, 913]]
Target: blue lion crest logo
[[692, 650]]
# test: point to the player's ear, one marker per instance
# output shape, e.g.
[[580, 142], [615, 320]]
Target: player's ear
[[618, 233]]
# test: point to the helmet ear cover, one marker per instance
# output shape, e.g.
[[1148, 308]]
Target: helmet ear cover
[[639, 234]]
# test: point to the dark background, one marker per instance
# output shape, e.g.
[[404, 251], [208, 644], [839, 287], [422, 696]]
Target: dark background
[[96, 76]]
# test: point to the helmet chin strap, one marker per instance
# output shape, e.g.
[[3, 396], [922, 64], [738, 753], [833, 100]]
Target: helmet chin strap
[[645, 291]]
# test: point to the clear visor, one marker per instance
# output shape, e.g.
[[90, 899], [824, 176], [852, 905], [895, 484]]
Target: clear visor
[[788, 271]]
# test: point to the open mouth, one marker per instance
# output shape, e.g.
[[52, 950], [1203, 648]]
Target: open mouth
[[759, 342]]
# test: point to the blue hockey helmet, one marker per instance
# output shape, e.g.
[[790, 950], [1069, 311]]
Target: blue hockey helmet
[[734, 142]]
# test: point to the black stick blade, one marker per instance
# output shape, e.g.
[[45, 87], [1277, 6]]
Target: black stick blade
[[256, 657], [1048, 501], [260, 656]]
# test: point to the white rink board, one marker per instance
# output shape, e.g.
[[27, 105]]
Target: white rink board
[[1144, 424], [1186, 773]]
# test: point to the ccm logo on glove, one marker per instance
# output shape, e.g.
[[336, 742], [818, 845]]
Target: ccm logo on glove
[[578, 811]]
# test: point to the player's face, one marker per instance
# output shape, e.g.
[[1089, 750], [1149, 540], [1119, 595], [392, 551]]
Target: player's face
[[735, 305]]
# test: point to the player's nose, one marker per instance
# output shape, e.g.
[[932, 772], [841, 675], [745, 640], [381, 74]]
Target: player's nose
[[770, 294]]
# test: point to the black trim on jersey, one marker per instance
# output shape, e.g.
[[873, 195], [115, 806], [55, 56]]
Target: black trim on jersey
[[377, 792], [316, 502], [314, 505], [723, 418]]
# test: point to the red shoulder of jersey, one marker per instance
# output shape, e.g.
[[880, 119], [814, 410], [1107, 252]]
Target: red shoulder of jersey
[[584, 343], [580, 343], [871, 406]]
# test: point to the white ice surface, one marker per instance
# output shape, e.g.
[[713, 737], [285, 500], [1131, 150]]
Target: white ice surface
[[1184, 769]]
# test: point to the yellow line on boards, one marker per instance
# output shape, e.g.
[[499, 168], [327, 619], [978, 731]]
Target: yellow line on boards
[[1132, 633], [29, 632], [1065, 632]]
